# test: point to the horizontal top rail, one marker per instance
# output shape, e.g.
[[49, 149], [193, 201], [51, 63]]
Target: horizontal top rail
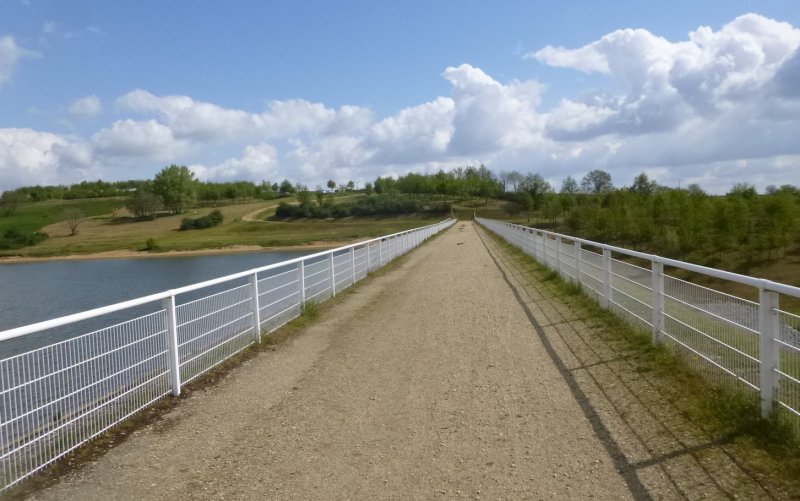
[[760, 283], [104, 310]]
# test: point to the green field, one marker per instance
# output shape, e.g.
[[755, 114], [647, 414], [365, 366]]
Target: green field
[[244, 224], [32, 217]]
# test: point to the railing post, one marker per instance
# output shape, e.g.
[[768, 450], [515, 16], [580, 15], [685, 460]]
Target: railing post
[[369, 260], [558, 254], [380, 253], [254, 306], [353, 265], [769, 330], [333, 275], [301, 283], [543, 257], [657, 271], [578, 260], [605, 301], [532, 247], [172, 342]]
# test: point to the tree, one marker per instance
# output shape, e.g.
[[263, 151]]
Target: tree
[[143, 203], [515, 178], [743, 190], [536, 185], [642, 185], [286, 187], [351, 185], [176, 187], [569, 186], [331, 184], [74, 218], [9, 201], [305, 197], [368, 189], [525, 200], [597, 182]]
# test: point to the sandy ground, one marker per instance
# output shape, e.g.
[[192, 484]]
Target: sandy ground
[[126, 253], [448, 377]]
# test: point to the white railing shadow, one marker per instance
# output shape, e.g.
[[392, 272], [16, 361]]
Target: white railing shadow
[[729, 339]]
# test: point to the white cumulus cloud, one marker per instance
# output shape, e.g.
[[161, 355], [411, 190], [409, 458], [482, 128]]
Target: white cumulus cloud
[[668, 83], [29, 157], [130, 139], [718, 106], [258, 162], [87, 107]]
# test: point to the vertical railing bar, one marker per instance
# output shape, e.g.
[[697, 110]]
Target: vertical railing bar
[[657, 271], [607, 287], [254, 307], [353, 265], [558, 254], [301, 279], [332, 274], [769, 355], [172, 339]]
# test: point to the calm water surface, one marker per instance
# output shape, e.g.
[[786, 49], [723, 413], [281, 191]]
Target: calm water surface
[[33, 292]]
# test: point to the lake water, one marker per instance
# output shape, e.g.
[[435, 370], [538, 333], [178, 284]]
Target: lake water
[[33, 292]]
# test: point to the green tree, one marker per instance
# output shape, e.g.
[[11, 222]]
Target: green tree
[[597, 182], [642, 185], [176, 186], [286, 187], [331, 184], [368, 189], [9, 201], [569, 186], [536, 185], [143, 203]]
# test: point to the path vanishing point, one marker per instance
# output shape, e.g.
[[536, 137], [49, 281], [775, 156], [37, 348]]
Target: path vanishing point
[[450, 376]]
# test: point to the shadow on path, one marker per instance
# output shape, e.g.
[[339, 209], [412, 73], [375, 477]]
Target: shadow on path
[[653, 444]]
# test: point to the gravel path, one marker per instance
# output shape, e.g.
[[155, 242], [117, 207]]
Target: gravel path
[[428, 382]]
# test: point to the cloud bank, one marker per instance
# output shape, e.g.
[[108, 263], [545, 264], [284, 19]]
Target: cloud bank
[[716, 108]]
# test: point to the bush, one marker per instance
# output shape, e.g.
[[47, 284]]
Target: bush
[[151, 244], [200, 223], [362, 207], [12, 238]]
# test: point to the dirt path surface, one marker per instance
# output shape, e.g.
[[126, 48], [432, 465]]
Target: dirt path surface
[[429, 382]]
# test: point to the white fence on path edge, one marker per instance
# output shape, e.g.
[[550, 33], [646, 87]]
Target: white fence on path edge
[[730, 340], [91, 370]]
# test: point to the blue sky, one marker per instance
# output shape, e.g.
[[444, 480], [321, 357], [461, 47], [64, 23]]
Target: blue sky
[[705, 92]]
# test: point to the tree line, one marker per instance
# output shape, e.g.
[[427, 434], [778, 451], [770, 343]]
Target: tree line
[[738, 230]]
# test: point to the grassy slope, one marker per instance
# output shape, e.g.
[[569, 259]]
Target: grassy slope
[[784, 270], [35, 216], [103, 233]]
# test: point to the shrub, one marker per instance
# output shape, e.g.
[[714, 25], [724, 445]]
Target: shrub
[[13, 238], [362, 207], [213, 219]]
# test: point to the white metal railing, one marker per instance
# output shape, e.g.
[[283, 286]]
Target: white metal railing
[[88, 371], [729, 339]]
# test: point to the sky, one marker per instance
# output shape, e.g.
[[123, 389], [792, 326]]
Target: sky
[[685, 91]]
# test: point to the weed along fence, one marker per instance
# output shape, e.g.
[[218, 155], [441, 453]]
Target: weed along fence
[[94, 369], [729, 339]]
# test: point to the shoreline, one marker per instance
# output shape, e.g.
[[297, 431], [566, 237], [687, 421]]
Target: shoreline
[[133, 254]]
